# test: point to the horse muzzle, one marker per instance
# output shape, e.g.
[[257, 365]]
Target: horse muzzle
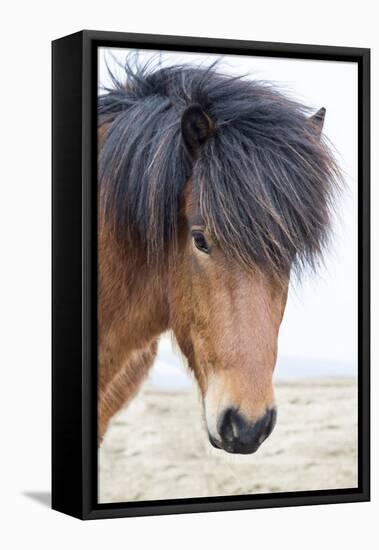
[[237, 435]]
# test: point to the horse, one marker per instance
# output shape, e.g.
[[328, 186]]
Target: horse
[[213, 191]]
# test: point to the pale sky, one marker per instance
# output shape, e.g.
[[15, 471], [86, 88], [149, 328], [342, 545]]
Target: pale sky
[[320, 323]]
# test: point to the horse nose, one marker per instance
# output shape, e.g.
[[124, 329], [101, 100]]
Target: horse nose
[[240, 436]]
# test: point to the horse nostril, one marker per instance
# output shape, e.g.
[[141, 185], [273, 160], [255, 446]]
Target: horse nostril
[[230, 425], [271, 421], [241, 436]]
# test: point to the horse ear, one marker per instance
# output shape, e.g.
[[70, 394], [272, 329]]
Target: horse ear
[[196, 128], [317, 121]]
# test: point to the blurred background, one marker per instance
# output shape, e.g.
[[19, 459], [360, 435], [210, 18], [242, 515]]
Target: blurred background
[[314, 443]]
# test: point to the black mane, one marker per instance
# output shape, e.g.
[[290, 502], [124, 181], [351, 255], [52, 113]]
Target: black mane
[[264, 178]]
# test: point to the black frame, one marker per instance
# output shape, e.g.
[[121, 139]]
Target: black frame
[[74, 397]]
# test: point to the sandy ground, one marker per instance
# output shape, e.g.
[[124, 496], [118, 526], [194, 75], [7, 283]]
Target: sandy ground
[[157, 447]]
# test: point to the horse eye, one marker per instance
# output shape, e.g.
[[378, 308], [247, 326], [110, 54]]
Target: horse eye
[[200, 242]]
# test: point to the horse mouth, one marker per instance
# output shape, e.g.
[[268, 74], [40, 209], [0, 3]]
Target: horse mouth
[[233, 448]]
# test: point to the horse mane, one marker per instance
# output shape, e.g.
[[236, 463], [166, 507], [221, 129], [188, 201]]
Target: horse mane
[[265, 180]]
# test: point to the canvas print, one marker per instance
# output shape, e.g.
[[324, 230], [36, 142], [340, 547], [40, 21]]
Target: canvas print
[[227, 275]]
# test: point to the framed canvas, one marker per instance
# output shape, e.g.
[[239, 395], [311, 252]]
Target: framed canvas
[[210, 275]]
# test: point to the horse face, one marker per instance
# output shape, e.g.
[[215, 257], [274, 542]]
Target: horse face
[[226, 321]]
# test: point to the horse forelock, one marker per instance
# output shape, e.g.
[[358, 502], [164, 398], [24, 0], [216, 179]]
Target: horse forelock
[[265, 182]]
